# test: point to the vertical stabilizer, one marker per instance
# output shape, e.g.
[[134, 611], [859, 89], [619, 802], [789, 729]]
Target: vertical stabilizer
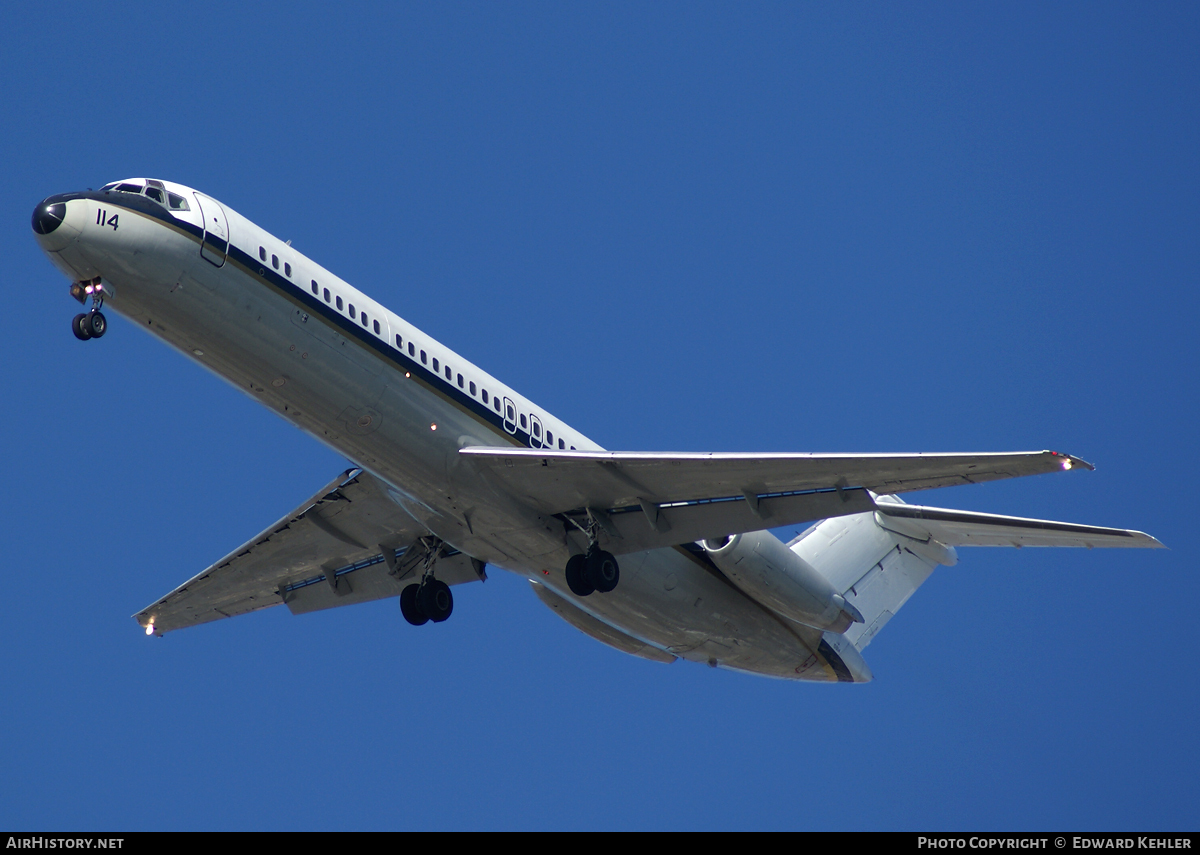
[[876, 570]]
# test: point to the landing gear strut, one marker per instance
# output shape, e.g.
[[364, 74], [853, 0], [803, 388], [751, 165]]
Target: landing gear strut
[[92, 324], [596, 570], [430, 599]]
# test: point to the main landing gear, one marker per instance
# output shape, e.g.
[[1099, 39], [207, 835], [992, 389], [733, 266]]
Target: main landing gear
[[430, 599], [91, 324], [596, 570]]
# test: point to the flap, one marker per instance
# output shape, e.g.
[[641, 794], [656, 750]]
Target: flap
[[374, 580], [350, 538], [651, 526], [564, 481]]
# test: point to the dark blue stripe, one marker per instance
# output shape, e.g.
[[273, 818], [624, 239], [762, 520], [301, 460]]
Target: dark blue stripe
[[835, 662], [399, 359], [315, 306]]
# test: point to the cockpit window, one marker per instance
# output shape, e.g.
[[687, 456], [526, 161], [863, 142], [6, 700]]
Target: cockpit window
[[129, 188], [157, 195], [109, 186], [177, 203]]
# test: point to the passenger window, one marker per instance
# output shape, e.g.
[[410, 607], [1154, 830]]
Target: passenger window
[[522, 420], [537, 429], [364, 319], [422, 356], [177, 203], [496, 404], [484, 391], [435, 364], [375, 326], [410, 351], [326, 295], [560, 443], [550, 437], [510, 413], [314, 286], [572, 448], [339, 303], [399, 344], [262, 253], [351, 310], [472, 387], [287, 269], [460, 381], [275, 261]]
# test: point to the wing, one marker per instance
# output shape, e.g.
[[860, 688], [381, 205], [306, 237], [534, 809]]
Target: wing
[[348, 544], [645, 500], [967, 528]]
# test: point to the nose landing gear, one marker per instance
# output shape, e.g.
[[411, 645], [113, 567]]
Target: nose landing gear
[[91, 324]]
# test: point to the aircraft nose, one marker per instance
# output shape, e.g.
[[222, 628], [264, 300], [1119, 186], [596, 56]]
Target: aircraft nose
[[57, 221], [48, 216]]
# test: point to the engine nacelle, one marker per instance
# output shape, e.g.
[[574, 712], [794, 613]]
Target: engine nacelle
[[764, 568]]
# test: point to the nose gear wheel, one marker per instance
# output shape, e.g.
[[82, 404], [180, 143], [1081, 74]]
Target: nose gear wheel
[[91, 324]]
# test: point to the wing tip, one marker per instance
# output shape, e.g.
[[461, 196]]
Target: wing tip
[[146, 622], [1070, 461], [1154, 543]]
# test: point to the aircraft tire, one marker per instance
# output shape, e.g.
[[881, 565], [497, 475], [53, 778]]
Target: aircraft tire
[[410, 608], [97, 324], [436, 600], [79, 326], [602, 571], [577, 578]]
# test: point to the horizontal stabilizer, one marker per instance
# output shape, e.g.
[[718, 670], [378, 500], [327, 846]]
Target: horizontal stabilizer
[[966, 528]]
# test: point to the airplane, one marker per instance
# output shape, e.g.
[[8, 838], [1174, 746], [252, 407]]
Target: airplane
[[660, 555]]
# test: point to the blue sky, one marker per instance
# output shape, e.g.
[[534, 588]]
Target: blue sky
[[778, 227]]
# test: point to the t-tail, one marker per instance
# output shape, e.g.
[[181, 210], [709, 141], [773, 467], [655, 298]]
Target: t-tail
[[849, 575]]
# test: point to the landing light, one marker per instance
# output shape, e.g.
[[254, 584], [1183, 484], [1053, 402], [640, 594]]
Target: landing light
[[150, 627], [433, 426], [1067, 463]]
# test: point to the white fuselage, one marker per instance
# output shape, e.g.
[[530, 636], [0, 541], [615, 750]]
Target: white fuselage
[[397, 403]]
